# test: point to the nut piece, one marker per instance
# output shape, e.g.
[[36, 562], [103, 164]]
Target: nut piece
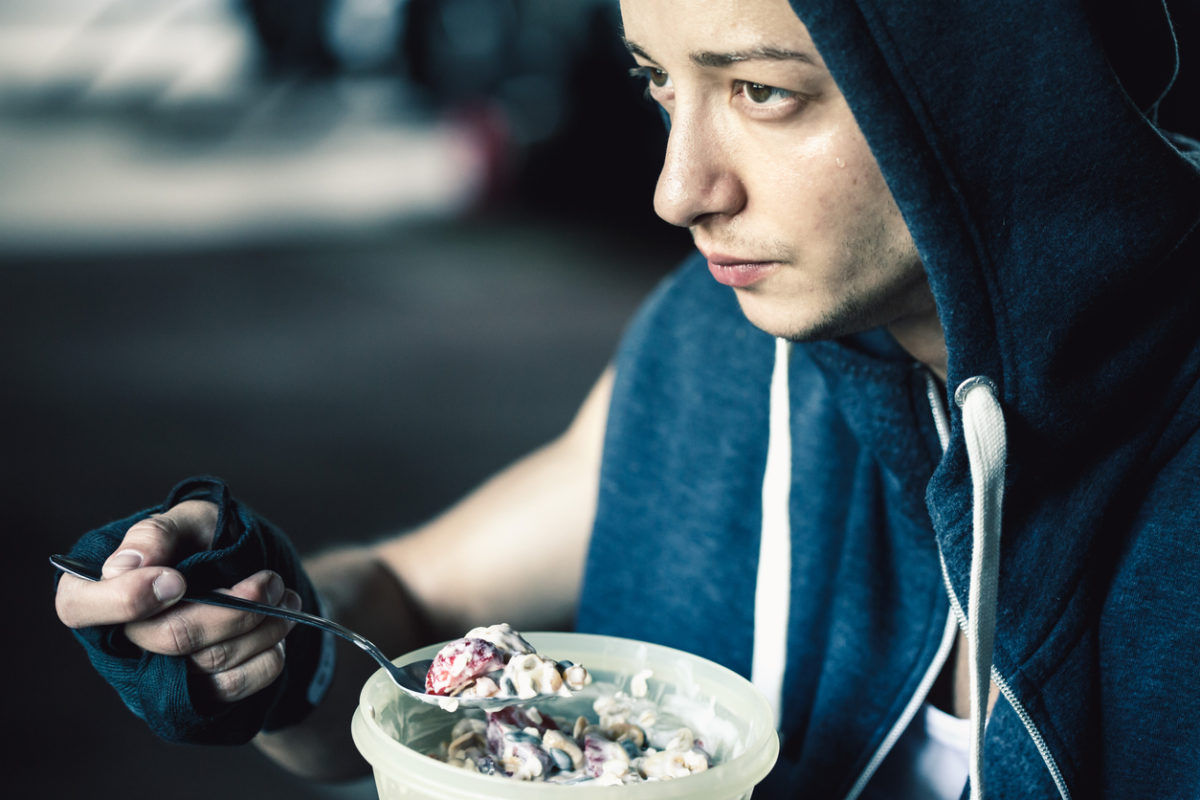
[[555, 740]]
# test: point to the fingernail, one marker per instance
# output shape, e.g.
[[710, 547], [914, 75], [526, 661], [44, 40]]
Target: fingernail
[[275, 589], [292, 601], [168, 586], [124, 561]]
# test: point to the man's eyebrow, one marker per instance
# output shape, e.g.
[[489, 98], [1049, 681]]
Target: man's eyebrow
[[636, 49], [711, 59], [707, 58]]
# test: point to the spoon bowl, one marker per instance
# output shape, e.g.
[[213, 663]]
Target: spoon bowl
[[409, 677]]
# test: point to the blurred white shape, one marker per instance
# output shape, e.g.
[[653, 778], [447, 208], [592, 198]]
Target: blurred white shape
[[94, 188], [117, 50], [137, 124], [365, 33]]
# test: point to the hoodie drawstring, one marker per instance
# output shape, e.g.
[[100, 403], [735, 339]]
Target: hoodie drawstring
[[984, 435], [773, 589]]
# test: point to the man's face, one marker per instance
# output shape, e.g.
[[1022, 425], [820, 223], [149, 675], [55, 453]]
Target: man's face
[[767, 168]]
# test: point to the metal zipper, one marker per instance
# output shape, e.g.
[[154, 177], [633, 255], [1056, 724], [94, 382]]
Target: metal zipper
[[910, 711], [1007, 691], [943, 428]]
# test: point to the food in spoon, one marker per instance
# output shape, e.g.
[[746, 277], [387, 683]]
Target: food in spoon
[[496, 661]]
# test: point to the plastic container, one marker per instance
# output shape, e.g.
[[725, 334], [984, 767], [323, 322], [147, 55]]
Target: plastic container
[[395, 733]]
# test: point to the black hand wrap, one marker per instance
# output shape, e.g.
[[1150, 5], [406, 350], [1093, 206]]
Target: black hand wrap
[[163, 690]]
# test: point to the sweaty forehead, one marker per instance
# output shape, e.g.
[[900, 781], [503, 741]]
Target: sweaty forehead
[[664, 29]]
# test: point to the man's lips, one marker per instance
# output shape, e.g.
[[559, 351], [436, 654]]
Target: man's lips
[[736, 271]]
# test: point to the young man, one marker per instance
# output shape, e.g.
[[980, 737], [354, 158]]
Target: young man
[[926, 473]]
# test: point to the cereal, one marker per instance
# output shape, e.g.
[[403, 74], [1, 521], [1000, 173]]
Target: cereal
[[621, 743], [527, 745]]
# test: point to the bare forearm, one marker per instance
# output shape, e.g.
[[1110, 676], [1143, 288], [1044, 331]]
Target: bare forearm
[[470, 567], [511, 551], [484, 561]]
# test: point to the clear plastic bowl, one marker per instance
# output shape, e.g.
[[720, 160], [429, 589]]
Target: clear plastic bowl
[[395, 733]]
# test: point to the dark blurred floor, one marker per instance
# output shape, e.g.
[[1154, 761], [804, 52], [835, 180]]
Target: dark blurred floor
[[344, 389]]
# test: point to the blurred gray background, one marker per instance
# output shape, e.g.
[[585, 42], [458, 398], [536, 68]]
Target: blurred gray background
[[350, 256]]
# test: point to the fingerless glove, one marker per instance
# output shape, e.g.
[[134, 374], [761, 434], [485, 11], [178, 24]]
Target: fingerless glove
[[162, 690]]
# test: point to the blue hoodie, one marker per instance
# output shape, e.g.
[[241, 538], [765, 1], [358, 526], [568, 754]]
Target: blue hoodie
[[1058, 227]]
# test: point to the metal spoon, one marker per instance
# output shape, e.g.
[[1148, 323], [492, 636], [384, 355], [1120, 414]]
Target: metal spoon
[[409, 677]]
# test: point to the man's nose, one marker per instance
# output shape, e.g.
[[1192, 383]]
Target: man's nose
[[698, 177]]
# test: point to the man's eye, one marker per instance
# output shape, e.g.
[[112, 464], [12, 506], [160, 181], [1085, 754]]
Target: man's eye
[[761, 94], [653, 75]]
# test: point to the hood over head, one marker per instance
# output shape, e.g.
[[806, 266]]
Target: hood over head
[[1058, 226]]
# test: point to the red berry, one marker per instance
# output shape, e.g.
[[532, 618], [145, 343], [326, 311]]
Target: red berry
[[460, 662], [521, 718]]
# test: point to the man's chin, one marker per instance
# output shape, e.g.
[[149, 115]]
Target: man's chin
[[787, 321]]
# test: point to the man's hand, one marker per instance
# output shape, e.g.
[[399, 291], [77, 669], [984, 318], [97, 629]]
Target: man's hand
[[240, 652]]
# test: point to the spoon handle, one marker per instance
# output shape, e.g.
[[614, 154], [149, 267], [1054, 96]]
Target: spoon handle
[[91, 572]]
